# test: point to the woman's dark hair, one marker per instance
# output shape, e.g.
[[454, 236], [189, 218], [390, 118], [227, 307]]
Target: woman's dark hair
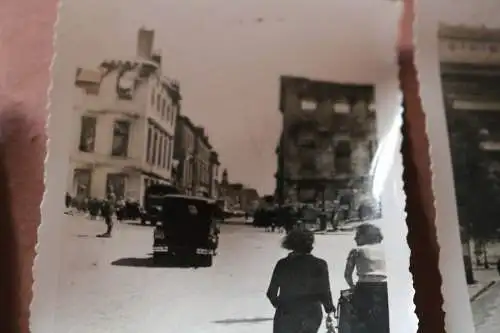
[[301, 241]]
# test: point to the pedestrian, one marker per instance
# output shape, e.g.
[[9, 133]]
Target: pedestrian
[[107, 210], [67, 200], [300, 287], [93, 208], [369, 293]]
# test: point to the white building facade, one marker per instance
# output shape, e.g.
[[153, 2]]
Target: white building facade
[[125, 117]]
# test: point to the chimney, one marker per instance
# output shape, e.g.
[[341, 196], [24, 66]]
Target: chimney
[[145, 39]]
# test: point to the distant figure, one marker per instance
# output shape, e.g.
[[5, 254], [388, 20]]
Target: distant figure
[[107, 211], [299, 287], [498, 266], [94, 208], [67, 200], [369, 298]]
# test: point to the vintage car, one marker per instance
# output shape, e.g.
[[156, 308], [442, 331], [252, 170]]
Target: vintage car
[[187, 233], [153, 196]]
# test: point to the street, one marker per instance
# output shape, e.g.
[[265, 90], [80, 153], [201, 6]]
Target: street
[[486, 311], [109, 285]]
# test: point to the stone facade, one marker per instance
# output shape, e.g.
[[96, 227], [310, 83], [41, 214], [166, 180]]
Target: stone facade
[[198, 163]]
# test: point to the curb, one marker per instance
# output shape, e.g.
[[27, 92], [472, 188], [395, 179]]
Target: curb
[[483, 290]]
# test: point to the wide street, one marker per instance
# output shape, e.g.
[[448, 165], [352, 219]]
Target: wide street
[[109, 285]]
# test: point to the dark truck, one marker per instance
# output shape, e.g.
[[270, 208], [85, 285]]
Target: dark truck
[[153, 197], [187, 233]]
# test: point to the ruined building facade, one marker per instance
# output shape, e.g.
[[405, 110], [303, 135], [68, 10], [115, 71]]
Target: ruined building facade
[[328, 139]]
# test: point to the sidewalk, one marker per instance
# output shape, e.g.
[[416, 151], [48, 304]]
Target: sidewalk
[[486, 278]]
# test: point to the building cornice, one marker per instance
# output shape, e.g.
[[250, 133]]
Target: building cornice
[[469, 33]]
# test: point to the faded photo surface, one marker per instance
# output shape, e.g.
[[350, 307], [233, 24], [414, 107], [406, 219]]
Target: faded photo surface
[[470, 63], [226, 168], [458, 59]]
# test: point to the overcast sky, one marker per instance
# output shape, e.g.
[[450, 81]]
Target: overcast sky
[[228, 56]]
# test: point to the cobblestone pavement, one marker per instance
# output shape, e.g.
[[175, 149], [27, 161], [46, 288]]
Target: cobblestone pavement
[[109, 285]]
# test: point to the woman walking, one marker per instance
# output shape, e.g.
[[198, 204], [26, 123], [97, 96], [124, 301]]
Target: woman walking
[[299, 287], [369, 298]]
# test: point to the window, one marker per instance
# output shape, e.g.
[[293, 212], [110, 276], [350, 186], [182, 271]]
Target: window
[[121, 133], [149, 144], [115, 184], [155, 142], [158, 102], [166, 151], [81, 182], [87, 134], [169, 111], [169, 156], [343, 153], [308, 105], [160, 149], [153, 96], [341, 107], [163, 104]]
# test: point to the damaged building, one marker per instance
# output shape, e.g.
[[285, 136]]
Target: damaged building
[[328, 140], [124, 121]]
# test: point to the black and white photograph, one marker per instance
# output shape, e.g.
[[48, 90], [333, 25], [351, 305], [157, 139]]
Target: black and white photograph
[[457, 56], [470, 74], [226, 167]]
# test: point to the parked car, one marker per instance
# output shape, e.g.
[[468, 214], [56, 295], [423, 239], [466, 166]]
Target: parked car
[[153, 199], [188, 232]]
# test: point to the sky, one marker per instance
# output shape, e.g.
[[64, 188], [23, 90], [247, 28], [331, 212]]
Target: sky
[[228, 57]]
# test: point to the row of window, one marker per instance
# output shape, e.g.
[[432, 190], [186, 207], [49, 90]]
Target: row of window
[[120, 140], [339, 107], [159, 148], [163, 106], [493, 47], [115, 184], [343, 149]]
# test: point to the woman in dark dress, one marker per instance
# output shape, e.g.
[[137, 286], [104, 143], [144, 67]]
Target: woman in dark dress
[[299, 287]]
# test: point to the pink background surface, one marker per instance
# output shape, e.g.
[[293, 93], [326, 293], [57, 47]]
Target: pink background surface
[[25, 56]]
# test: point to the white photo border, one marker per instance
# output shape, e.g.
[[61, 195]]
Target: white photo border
[[381, 16]]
